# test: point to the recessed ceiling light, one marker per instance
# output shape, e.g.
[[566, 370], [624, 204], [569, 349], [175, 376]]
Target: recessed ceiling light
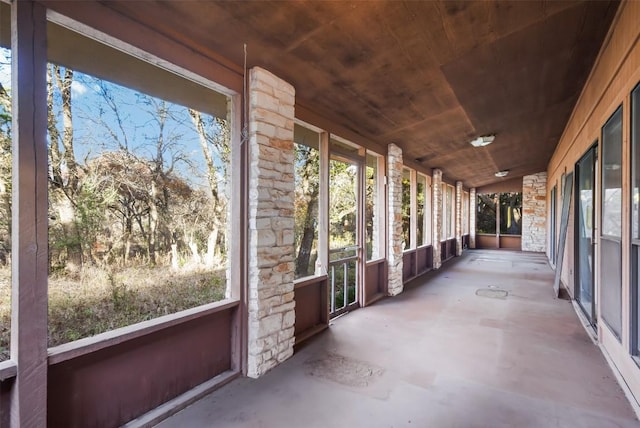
[[485, 140], [502, 173]]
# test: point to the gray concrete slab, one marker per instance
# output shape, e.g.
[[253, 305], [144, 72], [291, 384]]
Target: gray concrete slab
[[438, 355]]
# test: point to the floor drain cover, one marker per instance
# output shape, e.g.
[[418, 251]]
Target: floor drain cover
[[493, 293]]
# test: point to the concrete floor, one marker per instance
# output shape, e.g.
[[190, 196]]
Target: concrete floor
[[438, 355]]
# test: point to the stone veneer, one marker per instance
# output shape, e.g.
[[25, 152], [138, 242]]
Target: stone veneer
[[436, 216], [534, 210], [394, 186], [458, 225], [472, 217], [271, 206]]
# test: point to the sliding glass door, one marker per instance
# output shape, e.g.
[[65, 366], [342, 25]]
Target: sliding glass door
[[584, 239], [611, 231]]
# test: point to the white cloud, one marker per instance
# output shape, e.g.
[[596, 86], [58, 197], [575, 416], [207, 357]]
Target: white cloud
[[78, 89]]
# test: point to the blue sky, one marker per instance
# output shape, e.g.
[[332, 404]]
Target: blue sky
[[95, 123]]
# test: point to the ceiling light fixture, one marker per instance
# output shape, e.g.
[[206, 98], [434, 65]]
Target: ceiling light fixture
[[502, 173], [485, 140]]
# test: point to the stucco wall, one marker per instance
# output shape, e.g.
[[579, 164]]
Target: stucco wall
[[613, 77]]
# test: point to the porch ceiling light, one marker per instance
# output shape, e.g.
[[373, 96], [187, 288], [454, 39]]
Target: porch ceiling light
[[502, 173], [485, 140]]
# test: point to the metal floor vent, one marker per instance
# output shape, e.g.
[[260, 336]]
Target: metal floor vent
[[493, 293]]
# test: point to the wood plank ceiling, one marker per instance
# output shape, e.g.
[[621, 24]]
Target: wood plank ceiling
[[427, 75]]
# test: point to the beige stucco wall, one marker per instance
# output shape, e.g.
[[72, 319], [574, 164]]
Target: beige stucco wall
[[615, 74]]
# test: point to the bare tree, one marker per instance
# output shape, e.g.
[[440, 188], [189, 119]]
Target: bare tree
[[5, 175], [219, 141], [64, 170]]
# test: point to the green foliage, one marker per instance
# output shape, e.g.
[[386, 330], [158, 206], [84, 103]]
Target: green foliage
[[342, 203], [92, 202], [307, 180]]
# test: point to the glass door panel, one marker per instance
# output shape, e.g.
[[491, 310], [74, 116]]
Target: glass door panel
[[584, 238], [611, 230]]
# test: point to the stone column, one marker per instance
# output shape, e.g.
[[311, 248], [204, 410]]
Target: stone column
[[534, 212], [436, 216], [271, 206], [473, 201], [394, 182], [458, 218]]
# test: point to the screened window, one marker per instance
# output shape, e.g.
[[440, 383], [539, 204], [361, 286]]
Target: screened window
[[374, 206], [612, 176], [465, 213], [139, 189], [451, 211], [511, 213], [448, 212], [428, 233], [5, 188], [406, 207], [421, 186], [416, 209], [486, 213], [423, 202], [307, 193]]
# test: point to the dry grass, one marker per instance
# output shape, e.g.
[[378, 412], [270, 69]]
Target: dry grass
[[96, 300]]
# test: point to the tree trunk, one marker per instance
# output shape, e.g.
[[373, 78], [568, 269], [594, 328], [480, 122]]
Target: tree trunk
[[153, 223], [64, 84], [66, 179], [174, 257], [54, 135], [211, 248], [306, 243], [310, 186], [127, 250], [217, 207], [195, 255]]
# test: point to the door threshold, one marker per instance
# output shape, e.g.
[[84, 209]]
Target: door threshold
[[339, 316]]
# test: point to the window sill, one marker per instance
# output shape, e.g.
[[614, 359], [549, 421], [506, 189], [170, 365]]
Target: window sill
[[308, 280], [88, 345], [8, 370]]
